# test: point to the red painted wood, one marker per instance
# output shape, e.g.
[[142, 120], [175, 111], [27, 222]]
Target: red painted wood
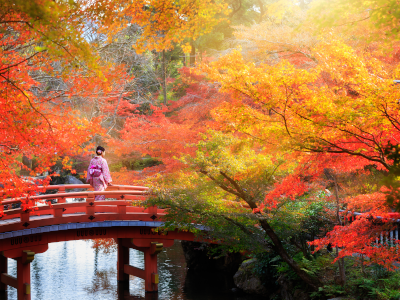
[[33, 242], [122, 260], [90, 207], [128, 243], [131, 270], [3, 269], [146, 242], [58, 212], [150, 267], [112, 202], [1, 206], [23, 280], [77, 218], [8, 280], [18, 251], [154, 278], [109, 194], [152, 210], [24, 216], [122, 209], [103, 206], [61, 188], [139, 238]]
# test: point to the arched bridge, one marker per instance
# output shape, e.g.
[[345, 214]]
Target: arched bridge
[[25, 231]]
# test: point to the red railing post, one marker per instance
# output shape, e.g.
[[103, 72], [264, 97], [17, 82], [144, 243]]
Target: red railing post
[[152, 210], [121, 208], [90, 207], [1, 205], [25, 215], [61, 190], [58, 212]]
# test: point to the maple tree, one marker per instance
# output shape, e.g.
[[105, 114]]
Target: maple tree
[[47, 59], [222, 189], [31, 124], [192, 156], [342, 113], [164, 22], [167, 137], [339, 111]]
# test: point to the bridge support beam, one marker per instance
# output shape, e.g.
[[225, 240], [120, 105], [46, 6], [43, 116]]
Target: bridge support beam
[[149, 274], [3, 269], [150, 269], [23, 280], [122, 260]]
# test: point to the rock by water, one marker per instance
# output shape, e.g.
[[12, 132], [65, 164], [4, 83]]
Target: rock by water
[[288, 291], [246, 280], [72, 180], [198, 259]]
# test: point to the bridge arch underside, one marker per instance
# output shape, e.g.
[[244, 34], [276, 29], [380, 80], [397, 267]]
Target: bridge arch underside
[[140, 233], [22, 245]]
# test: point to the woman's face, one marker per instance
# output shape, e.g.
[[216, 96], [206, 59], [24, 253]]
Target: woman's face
[[103, 154]]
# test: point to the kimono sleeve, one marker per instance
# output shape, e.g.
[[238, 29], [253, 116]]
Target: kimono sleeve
[[89, 176], [106, 172]]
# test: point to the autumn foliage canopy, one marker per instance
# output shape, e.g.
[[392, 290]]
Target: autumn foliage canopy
[[293, 113]]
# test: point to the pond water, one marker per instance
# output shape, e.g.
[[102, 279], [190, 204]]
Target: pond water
[[75, 271]]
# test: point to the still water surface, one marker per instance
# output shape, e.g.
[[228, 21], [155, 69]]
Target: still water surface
[[74, 271]]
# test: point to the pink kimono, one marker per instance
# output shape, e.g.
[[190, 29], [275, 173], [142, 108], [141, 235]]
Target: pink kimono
[[99, 183]]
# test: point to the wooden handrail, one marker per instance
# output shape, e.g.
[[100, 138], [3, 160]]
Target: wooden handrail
[[127, 189], [119, 207], [88, 186], [84, 186], [74, 195]]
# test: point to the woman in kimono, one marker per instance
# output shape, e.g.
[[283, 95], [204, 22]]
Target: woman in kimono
[[98, 174]]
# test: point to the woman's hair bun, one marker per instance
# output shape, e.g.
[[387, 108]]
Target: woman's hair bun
[[100, 150]]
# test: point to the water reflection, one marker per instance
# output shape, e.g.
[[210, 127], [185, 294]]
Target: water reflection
[[74, 271]]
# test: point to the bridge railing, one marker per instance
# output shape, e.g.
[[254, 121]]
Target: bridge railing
[[63, 187], [40, 209]]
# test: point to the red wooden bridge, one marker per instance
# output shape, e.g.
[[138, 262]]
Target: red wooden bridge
[[25, 232]]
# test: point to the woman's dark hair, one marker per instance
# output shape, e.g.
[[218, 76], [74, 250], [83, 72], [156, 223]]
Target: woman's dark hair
[[100, 150]]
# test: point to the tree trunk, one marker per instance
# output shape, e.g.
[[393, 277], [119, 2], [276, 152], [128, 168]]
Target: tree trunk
[[192, 54], [309, 280], [164, 78], [28, 163], [262, 11], [343, 274], [237, 190], [342, 270], [362, 266]]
